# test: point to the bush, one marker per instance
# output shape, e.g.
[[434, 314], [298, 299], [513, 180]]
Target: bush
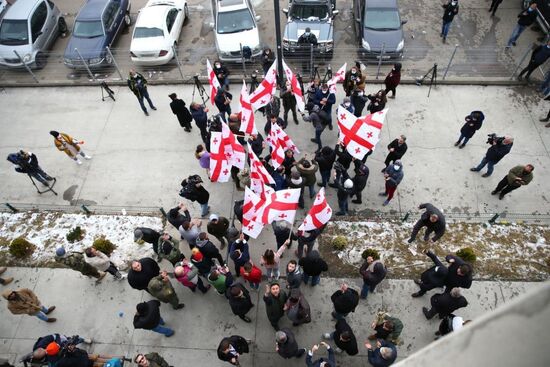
[[76, 234], [467, 254], [21, 248], [371, 252], [104, 245], [339, 243]]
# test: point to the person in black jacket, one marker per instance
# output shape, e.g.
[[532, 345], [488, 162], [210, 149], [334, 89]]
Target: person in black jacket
[[27, 162], [175, 216], [144, 234], [148, 317], [281, 230], [344, 159], [142, 272], [199, 113], [222, 74], [223, 102], [267, 57], [198, 193], [180, 110], [239, 300], [232, 347], [74, 357], [432, 278], [345, 300], [433, 220], [360, 182], [494, 6], [373, 272], [358, 100], [312, 266], [498, 149], [540, 54], [286, 344], [138, 85], [343, 338], [377, 101], [306, 241], [275, 300], [289, 103], [208, 249], [445, 304], [257, 144], [451, 9], [345, 191], [325, 159], [460, 273], [525, 19], [396, 150], [473, 123]]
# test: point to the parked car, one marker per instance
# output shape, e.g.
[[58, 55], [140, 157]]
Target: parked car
[[235, 26], [96, 26], [318, 15], [29, 27], [378, 26], [157, 29]]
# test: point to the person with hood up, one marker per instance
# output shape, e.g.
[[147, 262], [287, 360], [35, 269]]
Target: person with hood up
[[188, 275], [27, 162], [473, 123], [325, 159], [239, 301], [297, 308], [392, 80], [69, 146], [344, 300], [373, 272], [148, 317], [231, 348], [359, 183], [307, 170], [161, 288], [141, 273], [312, 266], [274, 299], [168, 248], [24, 301], [393, 174]]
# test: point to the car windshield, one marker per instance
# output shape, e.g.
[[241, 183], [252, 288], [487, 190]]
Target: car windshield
[[88, 29], [235, 21], [309, 12], [14, 32], [144, 32], [382, 19]]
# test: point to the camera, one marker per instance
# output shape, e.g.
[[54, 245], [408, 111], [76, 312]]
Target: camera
[[215, 124], [492, 138]]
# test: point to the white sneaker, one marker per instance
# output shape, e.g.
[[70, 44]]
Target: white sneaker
[[87, 157], [78, 162]]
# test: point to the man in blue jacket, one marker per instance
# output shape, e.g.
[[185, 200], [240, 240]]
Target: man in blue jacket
[[525, 19], [321, 362], [498, 149], [324, 98], [383, 354]]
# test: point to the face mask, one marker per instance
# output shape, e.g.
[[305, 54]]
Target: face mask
[[396, 167], [218, 65], [453, 3], [347, 104], [353, 72], [359, 93], [306, 34], [324, 90]]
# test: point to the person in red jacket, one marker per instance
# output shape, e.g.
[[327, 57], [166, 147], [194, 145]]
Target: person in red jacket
[[392, 79], [252, 274]]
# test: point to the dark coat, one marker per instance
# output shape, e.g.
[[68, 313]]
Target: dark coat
[[149, 316], [204, 266], [392, 79], [450, 12], [376, 360], [243, 247], [180, 110], [526, 17], [150, 235], [289, 348], [350, 347], [331, 99], [439, 226], [274, 306], [395, 176], [435, 276], [358, 100], [281, 235], [312, 264], [374, 277], [345, 302], [445, 304], [496, 152], [149, 270], [200, 117], [257, 144], [325, 158], [330, 362], [453, 279], [201, 194], [399, 150], [221, 73], [280, 122], [289, 101], [78, 358], [209, 250], [238, 343], [239, 305], [376, 103], [344, 158], [219, 100], [540, 54], [360, 181], [298, 312], [175, 217], [218, 229], [473, 123]]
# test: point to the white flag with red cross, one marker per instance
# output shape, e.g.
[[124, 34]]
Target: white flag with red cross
[[319, 214], [295, 87], [359, 134], [233, 150], [248, 124], [213, 81], [251, 207], [257, 169], [266, 90], [277, 151], [280, 205], [284, 139], [220, 169], [338, 77]]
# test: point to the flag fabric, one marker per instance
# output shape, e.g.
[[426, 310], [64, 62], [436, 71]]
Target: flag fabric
[[265, 91], [219, 166], [248, 124], [286, 142], [359, 134], [213, 81], [295, 87], [257, 169], [319, 214], [339, 76], [280, 205], [252, 204], [233, 150], [277, 151]]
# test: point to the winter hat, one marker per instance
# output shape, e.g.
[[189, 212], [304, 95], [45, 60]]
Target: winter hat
[[213, 217], [52, 349], [60, 252], [348, 184], [172, 95], [141, 308], [138, 234], [53, 133], [280, 336], [364, 169]]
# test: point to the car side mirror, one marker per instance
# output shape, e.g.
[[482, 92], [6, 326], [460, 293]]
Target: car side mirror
[[258, 18], [335, 12], [404, 22]]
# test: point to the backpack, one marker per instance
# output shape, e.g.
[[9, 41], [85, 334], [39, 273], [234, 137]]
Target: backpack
[[114, 362]]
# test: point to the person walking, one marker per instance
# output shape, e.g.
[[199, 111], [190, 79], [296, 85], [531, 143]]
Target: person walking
[[200, 115], [473, 123], [516, 177], [217, 226], [5, 281], [392, 80], [451, 9], [27, 162], [525, 19], [494, 6], [386, 327], [179, 109], [445, 304], [343, 337], [312, 266], [373, 272], [307, 170], [202, 155], [345, 191], [360, 182], [138, 85], [393, 175], [297, 308], [77, 262], [321, 362], [188, 275], [286, 345], [168, 248], [540, 54], [319, 120], [101, 262], [289, 103], [434, 221], [344, 300], [252, 274], [396, 150], [162, 289], [239, 253], [358, 100], [383, 354], [195, 191], [141, 273], [24, 301], [498, 149], [152, 359], [432, 278], [324, 98], [231, 348], [148, 317], [274, 299], [68, 145], [325, 159], [270, 261], [239, 301]]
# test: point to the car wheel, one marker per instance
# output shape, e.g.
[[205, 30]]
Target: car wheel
[[186, 12], [62, 26], [127, 20], [40, 60]]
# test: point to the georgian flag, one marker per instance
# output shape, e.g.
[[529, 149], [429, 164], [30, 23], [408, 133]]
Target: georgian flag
[[233, 150], [338, 77], [285, 141], [359, 134], [220, 170], [319, 214], [252, 204], [248, 125], [280, 205], [266, 90], [257, 169], [213, 81], [277, 151], [295, 86]]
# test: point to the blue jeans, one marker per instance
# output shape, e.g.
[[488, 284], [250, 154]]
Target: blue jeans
[[445, 29], [325, 177], [463, 137], [490, 166], [311, 191], [318, 139], [515, 34], [365, 291], [343, 205], [315, 279], [162, 330], [204, 209], [255, 286], [272, 273], [145, 94], [545, 86], [42, 313]]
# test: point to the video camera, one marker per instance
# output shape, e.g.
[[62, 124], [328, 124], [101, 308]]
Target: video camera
[[215, 123], [492, 138]]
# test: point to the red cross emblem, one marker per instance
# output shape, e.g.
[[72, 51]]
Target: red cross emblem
[[369, 135], [357, 150], [250, 227], [286, 195], [215, 141], [225, 172], [282, 215], [342, 116], [328, 210]]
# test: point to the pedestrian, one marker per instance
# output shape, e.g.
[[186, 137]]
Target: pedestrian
[[189, 231], [267, 57], [396, 150], [540, 54], [281, 230], [307, 170], [270, 261], [386, 327], [382, 354], [325, 159], [319, 123], [77, 262], [286, 345], [239, 253], [257, 144], [473, 123], [297, 308], [275, 300], [358, 100], [252, 274], [182, 113], [359, 183], [217, 226], [162, 289], [516, 177], [27, 162], [148, 317], [432, 278], [449, 324], [343, 337], [178, 215], [353, 79], [101, 262], [168, 248], [195, 191], [188, 275], [221, 279], [451, 9], [223, 102], [231, 348], [445, 304], [345, 191], [324, 98], [68, 145], [434, 221], [312, 266], [202, 155], [288, 163], [24, 301], [141, 273], [373, 272], [294, 275], [152, 359], [200, 115], [525, 19], [239, 301], [138, 85], [149, 235], [306, 43], [203, 264], [6, 281], [306, 241], [459, 275], [344, 300], [346, 104], [494, 6], [393, 79], [296, 181], [289, 103], [498, 149], [377, 101], [393, 175], [321, 362], [222, 74], [208, 249]]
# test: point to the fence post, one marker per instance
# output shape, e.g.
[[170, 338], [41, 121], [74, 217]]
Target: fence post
[[450, 61], [26, 66], [242, 59], [177, 61], [494, 218], [311, 57], [114, 62], [85, 64], [521, 61], [163, 212], [404, 219], [85, 209], [380, 60], [11, 207]]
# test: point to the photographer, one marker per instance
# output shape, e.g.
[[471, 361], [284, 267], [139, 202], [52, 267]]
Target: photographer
[[517, 177], [193, 190], [26, 162], [500, 146]]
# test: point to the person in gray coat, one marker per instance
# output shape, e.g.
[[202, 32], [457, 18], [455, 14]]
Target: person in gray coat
[[393, 175], [433, 220], [286, 345]]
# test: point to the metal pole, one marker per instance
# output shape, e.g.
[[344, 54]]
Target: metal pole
[[85, 64], [380, 60], [311, 57], [450, 61], [177, 61], [278, 41], [114, 62], [11, 207], [26, 66], [242, 59], [521, 61]]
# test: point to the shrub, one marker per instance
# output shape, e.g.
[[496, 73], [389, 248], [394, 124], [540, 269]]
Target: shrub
[[371, 252], [339, 243], [21, 248], [467, 254], [104, 245], [76, 234]]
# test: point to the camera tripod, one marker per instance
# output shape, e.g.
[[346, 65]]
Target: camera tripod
[[327, 76], [253, 81], [49, 187], [105, 89], [432, 73], [202, 92]]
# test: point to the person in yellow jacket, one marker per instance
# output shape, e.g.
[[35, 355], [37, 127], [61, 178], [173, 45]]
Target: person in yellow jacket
[[69, 145]]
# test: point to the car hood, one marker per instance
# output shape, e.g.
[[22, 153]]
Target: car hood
[[294, 29], [149, 44], [231, 42], [6, 51], [88, 47], [389, 38]]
